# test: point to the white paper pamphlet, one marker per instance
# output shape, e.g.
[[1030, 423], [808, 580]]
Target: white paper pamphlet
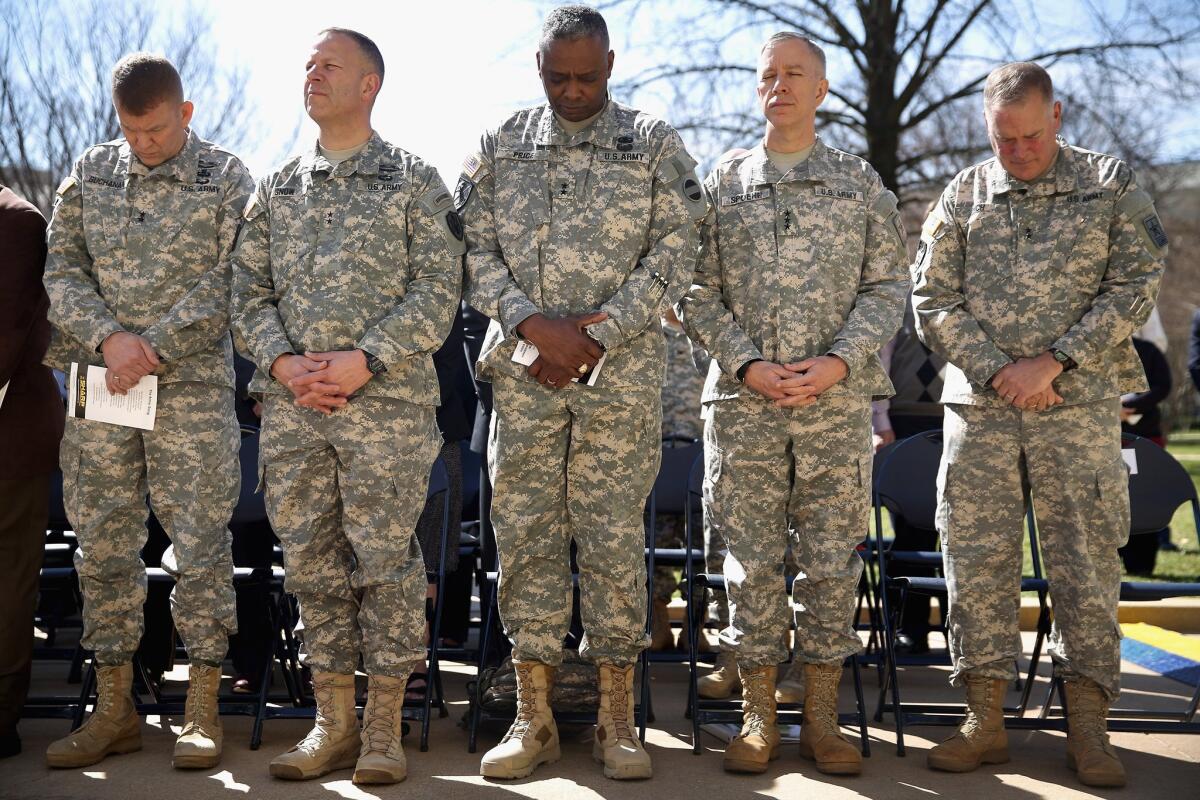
[[88, 397]]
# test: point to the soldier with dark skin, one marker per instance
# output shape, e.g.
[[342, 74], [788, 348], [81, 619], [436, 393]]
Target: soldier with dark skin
[[581, 228]]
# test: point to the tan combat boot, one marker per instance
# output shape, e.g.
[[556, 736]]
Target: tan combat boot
[[1089, 752], [980, 738], [820, 738], [722, 681], [791, 688], [333, 741], [199, 743], [616, 744], [758, 742], [113, 726], [381, 759], [661, 636], [532, 739]]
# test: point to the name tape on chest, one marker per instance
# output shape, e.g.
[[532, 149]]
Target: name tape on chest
[[96, 180], [746, 197], [284, 191], [840, 194], [523, 154]]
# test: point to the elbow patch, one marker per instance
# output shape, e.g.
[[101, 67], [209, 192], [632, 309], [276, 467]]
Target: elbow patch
[[436, 203]]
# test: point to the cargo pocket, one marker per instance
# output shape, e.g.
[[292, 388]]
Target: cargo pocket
[[1112, 506]]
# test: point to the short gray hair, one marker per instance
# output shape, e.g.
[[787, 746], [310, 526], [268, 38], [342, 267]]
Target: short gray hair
[[573, 22], [1013, 83], [792, 36]]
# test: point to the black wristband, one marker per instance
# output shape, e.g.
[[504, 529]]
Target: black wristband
[[741, 371]]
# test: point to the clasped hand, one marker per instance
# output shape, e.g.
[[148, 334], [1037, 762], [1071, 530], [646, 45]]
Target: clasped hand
[[322, 381], [563, 347], [798, 384], [128, 358], [1028, 383]]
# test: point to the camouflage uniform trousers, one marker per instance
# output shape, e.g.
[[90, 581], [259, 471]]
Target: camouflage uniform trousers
[[344, 493], [1070, 456], [573, 463], [189, 465], [798, 476]]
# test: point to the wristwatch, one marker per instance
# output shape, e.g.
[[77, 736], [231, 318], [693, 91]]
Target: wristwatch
[[374, 364], [1067, 362]]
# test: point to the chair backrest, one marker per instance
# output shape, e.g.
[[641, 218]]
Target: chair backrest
[[905, 478], [439, 479], [674, 474], [1160, 486]]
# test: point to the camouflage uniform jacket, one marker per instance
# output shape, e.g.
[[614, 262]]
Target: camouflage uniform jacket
[[1008, 269], [796, 266], [364, 254], [147, 251], [557, 224]]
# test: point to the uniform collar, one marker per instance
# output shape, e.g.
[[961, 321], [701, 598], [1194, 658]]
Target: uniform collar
[[602, 132], [816, 168], [182, 166], [365, 163], [1060, 179]]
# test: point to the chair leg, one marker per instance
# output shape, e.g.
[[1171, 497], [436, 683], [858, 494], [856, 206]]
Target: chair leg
[[85, 691], [861, 706]]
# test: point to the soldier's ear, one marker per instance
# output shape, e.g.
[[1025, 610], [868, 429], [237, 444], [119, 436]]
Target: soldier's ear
[[611, 57], [370, 86], [822, 91], [186, 109]]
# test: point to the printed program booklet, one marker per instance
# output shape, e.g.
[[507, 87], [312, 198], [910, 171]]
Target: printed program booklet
[[88, 397]]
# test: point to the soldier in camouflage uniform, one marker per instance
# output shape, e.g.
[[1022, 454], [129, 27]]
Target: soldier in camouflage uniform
[[801, 281], [346, 279], [138, 278], [1032, 272], [581, 230]]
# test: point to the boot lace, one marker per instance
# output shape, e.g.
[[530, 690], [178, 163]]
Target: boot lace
[[979, 700], [385, 702], [1088, 717], [323, 692], [618, 704], [820, 699], [197, 700], [526, 704], [756, 700]]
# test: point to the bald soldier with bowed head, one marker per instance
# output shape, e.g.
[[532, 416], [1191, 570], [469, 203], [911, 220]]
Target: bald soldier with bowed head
[[581, 230], [138, 278], [1033, 271], [346, 279], [801, 281]]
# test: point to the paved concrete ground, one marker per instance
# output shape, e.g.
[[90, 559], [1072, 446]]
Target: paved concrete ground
[[1160, 766]]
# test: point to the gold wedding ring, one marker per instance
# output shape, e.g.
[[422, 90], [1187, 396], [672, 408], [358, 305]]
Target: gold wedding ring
[[582, 368]]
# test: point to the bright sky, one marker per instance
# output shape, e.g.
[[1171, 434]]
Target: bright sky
[[454, 67]]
